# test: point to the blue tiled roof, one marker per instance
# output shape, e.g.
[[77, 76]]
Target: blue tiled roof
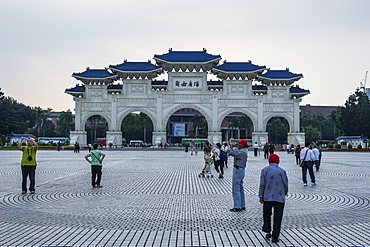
[[298, 90], [159, 83], [259, 87], [114, 87], [215, 83], [280, 74], [76, 89], [187, 56], [94, 73], [135, 66], [239, 67]]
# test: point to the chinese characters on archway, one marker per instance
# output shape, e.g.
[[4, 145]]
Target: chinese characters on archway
[[187, 84]]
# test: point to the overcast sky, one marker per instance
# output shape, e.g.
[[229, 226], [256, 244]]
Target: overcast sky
[[43, 42]]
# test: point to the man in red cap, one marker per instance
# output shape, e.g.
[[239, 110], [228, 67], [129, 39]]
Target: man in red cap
[[240, 161], [272, 191]]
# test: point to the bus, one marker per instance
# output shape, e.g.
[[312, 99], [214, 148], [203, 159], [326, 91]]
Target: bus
[[101, 141], [52, 140], [192, 140]]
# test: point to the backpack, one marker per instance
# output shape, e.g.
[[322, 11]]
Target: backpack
[[223, 155]]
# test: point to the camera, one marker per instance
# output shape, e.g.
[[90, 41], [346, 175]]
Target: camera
[[29, 158]]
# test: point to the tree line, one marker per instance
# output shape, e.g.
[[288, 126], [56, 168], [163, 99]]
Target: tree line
[[16, 117]]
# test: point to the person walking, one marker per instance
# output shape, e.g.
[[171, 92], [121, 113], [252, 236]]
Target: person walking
[[308, 156], [28, 164], [272, 192], [316, 153], [240, 162], [297, 153], [266, 150], [224, 148], [255, 148], [96, 158], [218, 162], [271, 148]]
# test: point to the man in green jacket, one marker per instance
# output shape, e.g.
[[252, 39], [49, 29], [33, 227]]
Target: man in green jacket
[[28, 163]]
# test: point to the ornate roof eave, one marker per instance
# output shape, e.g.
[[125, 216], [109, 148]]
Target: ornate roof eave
[[137, 75], [237, 75], [157, 70], [160, 61], [190, 66], [88, 81], [278, 82]]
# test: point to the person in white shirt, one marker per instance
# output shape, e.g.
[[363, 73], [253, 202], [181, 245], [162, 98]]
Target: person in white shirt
[[308, 156], [255, 148], [316, 162]]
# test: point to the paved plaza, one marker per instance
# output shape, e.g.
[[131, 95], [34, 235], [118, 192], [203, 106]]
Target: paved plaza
[[155, 198]]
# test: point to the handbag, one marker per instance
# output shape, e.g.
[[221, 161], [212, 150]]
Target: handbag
[[301, 163]]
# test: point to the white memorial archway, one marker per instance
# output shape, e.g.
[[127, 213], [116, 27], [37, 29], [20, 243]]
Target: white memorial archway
[[118, 90]]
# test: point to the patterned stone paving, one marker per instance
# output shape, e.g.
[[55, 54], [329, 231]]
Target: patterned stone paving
[[155, 198]]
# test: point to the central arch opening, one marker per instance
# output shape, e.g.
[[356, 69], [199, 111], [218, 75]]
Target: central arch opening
[[186, 123]]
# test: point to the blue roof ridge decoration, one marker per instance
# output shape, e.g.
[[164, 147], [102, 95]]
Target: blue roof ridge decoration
[[239, 67], [181, 57], [135, 67], [99, 74], [280, 75]]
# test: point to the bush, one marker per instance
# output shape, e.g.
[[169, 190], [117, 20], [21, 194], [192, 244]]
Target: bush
[[331, 146], [14, 144], [359, 146], [350, 146], [338, 146]]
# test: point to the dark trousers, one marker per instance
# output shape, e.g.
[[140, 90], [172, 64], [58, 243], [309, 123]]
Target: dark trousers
[[308, 165], [266, 154], [219, 163], [96, 175], [255, 151], [28, 171], [317, 164], [297, 159], [278, 216]]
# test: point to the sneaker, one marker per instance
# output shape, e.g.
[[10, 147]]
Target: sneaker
[[268, 236], [99, 186], [24, 192], [220, 176], [305, 184], [313, 184], [33, 192]]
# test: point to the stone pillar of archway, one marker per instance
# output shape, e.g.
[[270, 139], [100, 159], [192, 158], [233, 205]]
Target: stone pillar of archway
[[296, 138], [215, 137], [114, 137], [260, 137], [159, 137], [79, 135]]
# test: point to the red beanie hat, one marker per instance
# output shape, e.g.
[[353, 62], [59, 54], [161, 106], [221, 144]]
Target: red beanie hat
[[274, 158]]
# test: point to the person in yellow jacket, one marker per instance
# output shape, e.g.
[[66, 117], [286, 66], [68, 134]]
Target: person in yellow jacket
[[28, 164]]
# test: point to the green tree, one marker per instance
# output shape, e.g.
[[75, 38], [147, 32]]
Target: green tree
[[64, 123], [277, 128], [354, 117], [199, 122], [135, 125], [312, 134]]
